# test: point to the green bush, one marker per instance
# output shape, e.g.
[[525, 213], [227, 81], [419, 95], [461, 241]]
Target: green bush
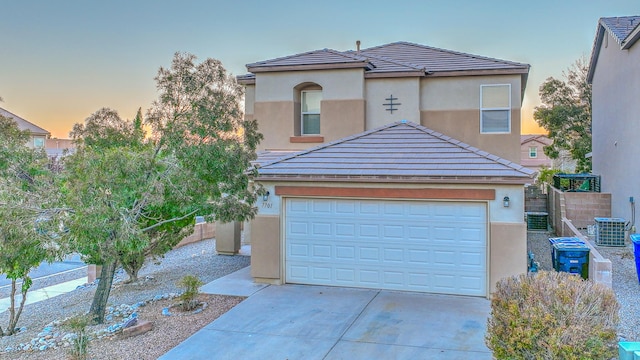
[[78, 324], [552, 315], [190, 284]]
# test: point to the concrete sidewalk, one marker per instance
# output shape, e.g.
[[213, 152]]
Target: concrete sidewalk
[[34, 296], [317, 322]]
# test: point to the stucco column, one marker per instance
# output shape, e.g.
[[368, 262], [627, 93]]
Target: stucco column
[[227, 238]]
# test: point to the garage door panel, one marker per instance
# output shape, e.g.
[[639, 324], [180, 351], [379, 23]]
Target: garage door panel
[[398, 245]]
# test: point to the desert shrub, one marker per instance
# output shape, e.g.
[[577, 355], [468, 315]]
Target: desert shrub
[[78, 324], [552, 315], [190, 284]]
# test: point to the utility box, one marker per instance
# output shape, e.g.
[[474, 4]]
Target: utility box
[[609, 231], [537, 220]]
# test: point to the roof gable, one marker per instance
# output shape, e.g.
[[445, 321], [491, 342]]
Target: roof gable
[[24, 124], [542, 139], [625, 30], [401, 151]]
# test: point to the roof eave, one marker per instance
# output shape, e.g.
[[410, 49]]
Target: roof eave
[[631, 38], [595, 52], [475, 72], [327, 66], [394, 74], [399, 179]]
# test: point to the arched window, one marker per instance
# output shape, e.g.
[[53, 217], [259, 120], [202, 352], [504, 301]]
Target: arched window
[[307, 117]]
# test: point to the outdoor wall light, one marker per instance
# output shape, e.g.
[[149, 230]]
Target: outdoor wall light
[[505, 201], [265, 197]]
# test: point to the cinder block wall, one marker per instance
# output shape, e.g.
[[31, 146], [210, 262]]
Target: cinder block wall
[[583, 207], [534, 199], [579, 207]]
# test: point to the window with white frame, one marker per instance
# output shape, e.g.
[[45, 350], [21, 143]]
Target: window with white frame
[[533, 152], [38, 142], [495, 109], [310, 111]]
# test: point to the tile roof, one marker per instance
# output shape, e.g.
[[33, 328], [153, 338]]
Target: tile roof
[[268, 156], [24, 124], [401, 150], [409, 56], [327, 57], [397, 57], [624, 29], [620, 27], [544, 139]]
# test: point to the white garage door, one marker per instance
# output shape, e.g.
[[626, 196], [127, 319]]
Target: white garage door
[[437, 247]]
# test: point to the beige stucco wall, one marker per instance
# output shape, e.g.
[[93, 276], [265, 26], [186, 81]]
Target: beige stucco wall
[[407, 90], [265, 249], [506, 233], [451, 105], [507, 251], [278, 122], [615, 125], [336, 84], [249, 99]]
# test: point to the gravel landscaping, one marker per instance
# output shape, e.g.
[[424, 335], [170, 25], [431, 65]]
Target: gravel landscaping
[[625, 280], [155, 291]]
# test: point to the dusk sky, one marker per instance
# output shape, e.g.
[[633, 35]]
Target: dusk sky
[[62, 60]]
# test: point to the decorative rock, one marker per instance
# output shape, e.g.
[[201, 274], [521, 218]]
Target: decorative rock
[[140, 328], [43, 348], [166, 312]]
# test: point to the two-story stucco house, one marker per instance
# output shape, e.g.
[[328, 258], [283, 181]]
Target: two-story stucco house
[[38, 134], [392, 167], [532, 154], [614, 71]]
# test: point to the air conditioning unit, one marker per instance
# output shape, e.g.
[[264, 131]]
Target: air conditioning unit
[[609, 231]]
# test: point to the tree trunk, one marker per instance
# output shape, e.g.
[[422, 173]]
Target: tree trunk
[[100, 298], [13, 316]]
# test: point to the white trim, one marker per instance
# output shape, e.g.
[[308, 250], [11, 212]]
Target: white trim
[[508, 109], [536, 152], [303, 113]]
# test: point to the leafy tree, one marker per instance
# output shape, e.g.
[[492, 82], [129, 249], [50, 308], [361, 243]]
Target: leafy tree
[[136, 194], [566, 114], [30, 229]]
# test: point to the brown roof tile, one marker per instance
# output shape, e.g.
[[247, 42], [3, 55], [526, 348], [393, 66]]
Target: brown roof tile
[[399, 57], [397, 150]]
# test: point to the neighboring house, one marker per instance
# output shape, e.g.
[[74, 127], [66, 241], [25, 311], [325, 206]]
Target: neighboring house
[[394, 167], [57, 148], [614, 72], [38, 134], [532, 154]]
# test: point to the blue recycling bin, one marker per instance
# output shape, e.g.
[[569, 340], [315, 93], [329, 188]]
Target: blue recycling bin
[[563, 240], [635, 238], [572, 258]]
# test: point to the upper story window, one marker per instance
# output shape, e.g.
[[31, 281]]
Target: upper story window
[[533, 152], [310, 112], [495, 109], [38, 142]]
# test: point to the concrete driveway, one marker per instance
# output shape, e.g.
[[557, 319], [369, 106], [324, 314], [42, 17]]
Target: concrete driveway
[[317, 322]]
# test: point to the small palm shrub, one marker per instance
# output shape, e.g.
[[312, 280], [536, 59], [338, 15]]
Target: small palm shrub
[[190, 284], [552, 315]]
